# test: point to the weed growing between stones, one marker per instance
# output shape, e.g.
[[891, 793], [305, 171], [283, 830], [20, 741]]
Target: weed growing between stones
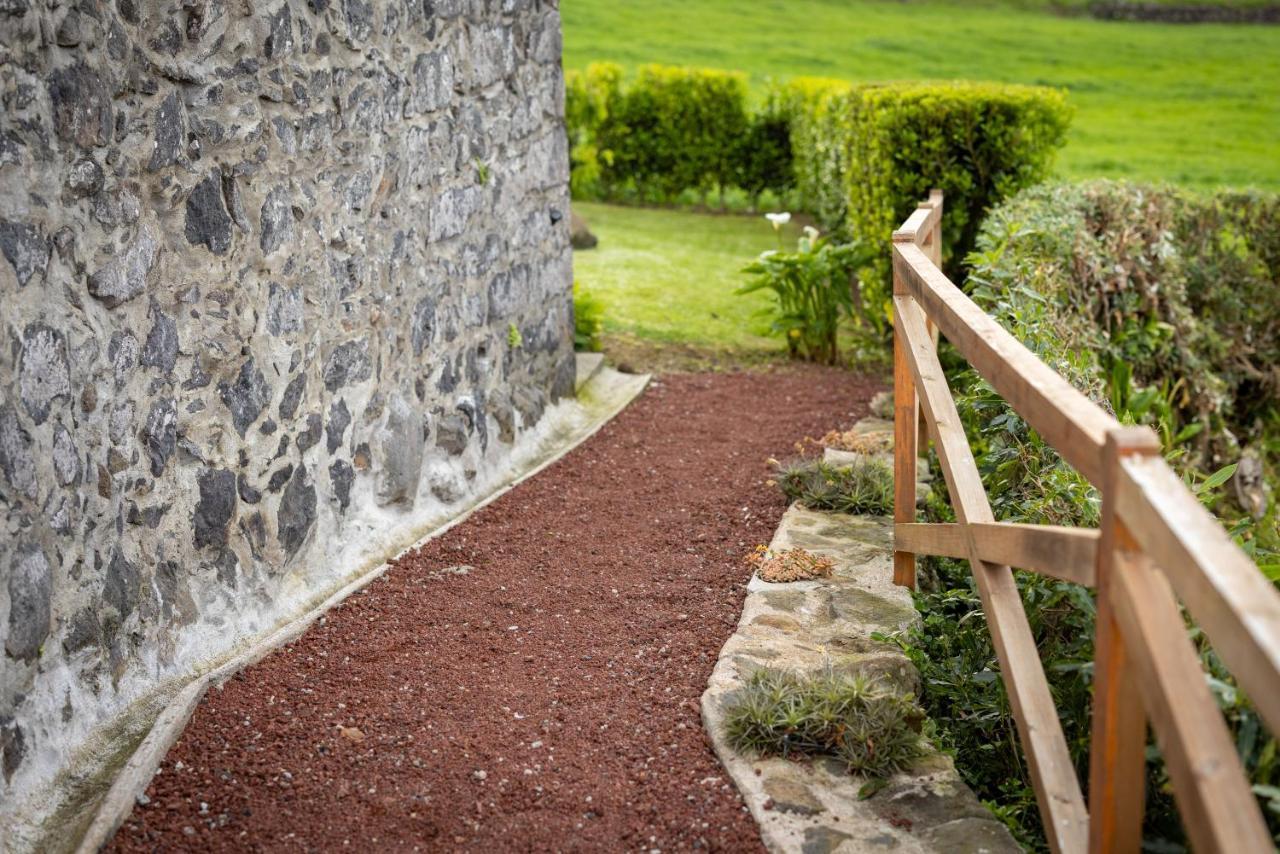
[[865, 486], [789, 565], [872, 729]]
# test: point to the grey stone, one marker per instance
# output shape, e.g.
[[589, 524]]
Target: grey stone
[[208, 223], [161, 349], [292, 396], [245, 490], [123, 354], [85, 177], [13, 746], [284, 309], [215, 508], [424, 318], [277, 220], [580, 235], [25, 248], [347, 364], [81, 102], [44, 375], [359, 17], [822, 840], [339, 420], [310, 437], [125, 276], [246, 397], [279, 478], [280, 38], [297, 512], [16, 458], [66, 459], [342, 476], [30, 592], [120, 589], [452, 433], [85, 631], [399, 445], [790, 795], [168, 125], [432, 86], [161, 434]]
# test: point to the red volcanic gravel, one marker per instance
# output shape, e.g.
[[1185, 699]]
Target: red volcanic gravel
[[545, 700]]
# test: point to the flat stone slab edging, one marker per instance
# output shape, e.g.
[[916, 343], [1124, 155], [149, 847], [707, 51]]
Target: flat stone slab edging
[[803, 625], [604, 395]]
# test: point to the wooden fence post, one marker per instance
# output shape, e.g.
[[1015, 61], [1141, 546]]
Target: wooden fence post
[[906, 415], [1117, 757]]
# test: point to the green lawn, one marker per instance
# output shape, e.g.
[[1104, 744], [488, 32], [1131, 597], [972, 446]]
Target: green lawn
[[1196, 105], [669, 276]]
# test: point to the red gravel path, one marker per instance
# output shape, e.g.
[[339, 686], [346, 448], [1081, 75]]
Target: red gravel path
[[546, 700]]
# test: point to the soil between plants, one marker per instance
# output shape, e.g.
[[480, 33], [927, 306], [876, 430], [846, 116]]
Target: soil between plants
[[547, 699]]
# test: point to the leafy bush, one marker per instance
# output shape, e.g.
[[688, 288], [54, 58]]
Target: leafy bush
[[874, 730], [814, 108], [1155, 304], [590, 97], [676, 128], [588, 320], [979, 143], [763, 157], [813, 289], [865, 486]]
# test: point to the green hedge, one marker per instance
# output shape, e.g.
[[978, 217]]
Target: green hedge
[[978, 142], [815, 109], [669, 130]]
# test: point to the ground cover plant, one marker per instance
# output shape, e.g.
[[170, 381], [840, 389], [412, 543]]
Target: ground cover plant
[[789, 565], [863, 486], [1188, 104], [872, 729]]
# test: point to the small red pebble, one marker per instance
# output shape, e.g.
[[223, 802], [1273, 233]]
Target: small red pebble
[[768, 804]]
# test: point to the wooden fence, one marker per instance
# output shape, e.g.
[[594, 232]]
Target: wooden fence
[[1157, 545]]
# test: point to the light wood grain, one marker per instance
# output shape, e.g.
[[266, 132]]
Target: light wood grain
[[1065, 418], [1238, 608], [1058, 795], [1067, 554], [906, 418], [1214, 799], [1118, 738]]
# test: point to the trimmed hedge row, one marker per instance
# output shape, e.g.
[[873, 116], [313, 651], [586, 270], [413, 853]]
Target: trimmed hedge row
[[858, 158]]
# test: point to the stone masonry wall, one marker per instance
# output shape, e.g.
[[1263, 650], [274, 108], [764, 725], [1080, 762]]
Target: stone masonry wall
[[269, 269]]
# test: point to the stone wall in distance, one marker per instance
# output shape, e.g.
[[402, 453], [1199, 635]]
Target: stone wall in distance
[[273, 274]]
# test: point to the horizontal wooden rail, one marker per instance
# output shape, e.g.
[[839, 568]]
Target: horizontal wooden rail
[[1156, 541], [1064, 553]]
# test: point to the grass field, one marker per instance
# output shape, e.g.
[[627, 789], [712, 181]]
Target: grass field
[[1194, 105], [669, 276]]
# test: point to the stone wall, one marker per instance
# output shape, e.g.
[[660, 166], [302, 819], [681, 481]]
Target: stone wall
[[275, 276]]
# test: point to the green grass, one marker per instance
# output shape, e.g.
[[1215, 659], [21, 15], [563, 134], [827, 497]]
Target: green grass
[[1194, 105], [669, 276]]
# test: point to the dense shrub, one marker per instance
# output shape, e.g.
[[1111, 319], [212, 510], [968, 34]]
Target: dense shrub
[[590, 97], [588, 320], [674, 129], [1164, 308], [814, 108], [979, 143]]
